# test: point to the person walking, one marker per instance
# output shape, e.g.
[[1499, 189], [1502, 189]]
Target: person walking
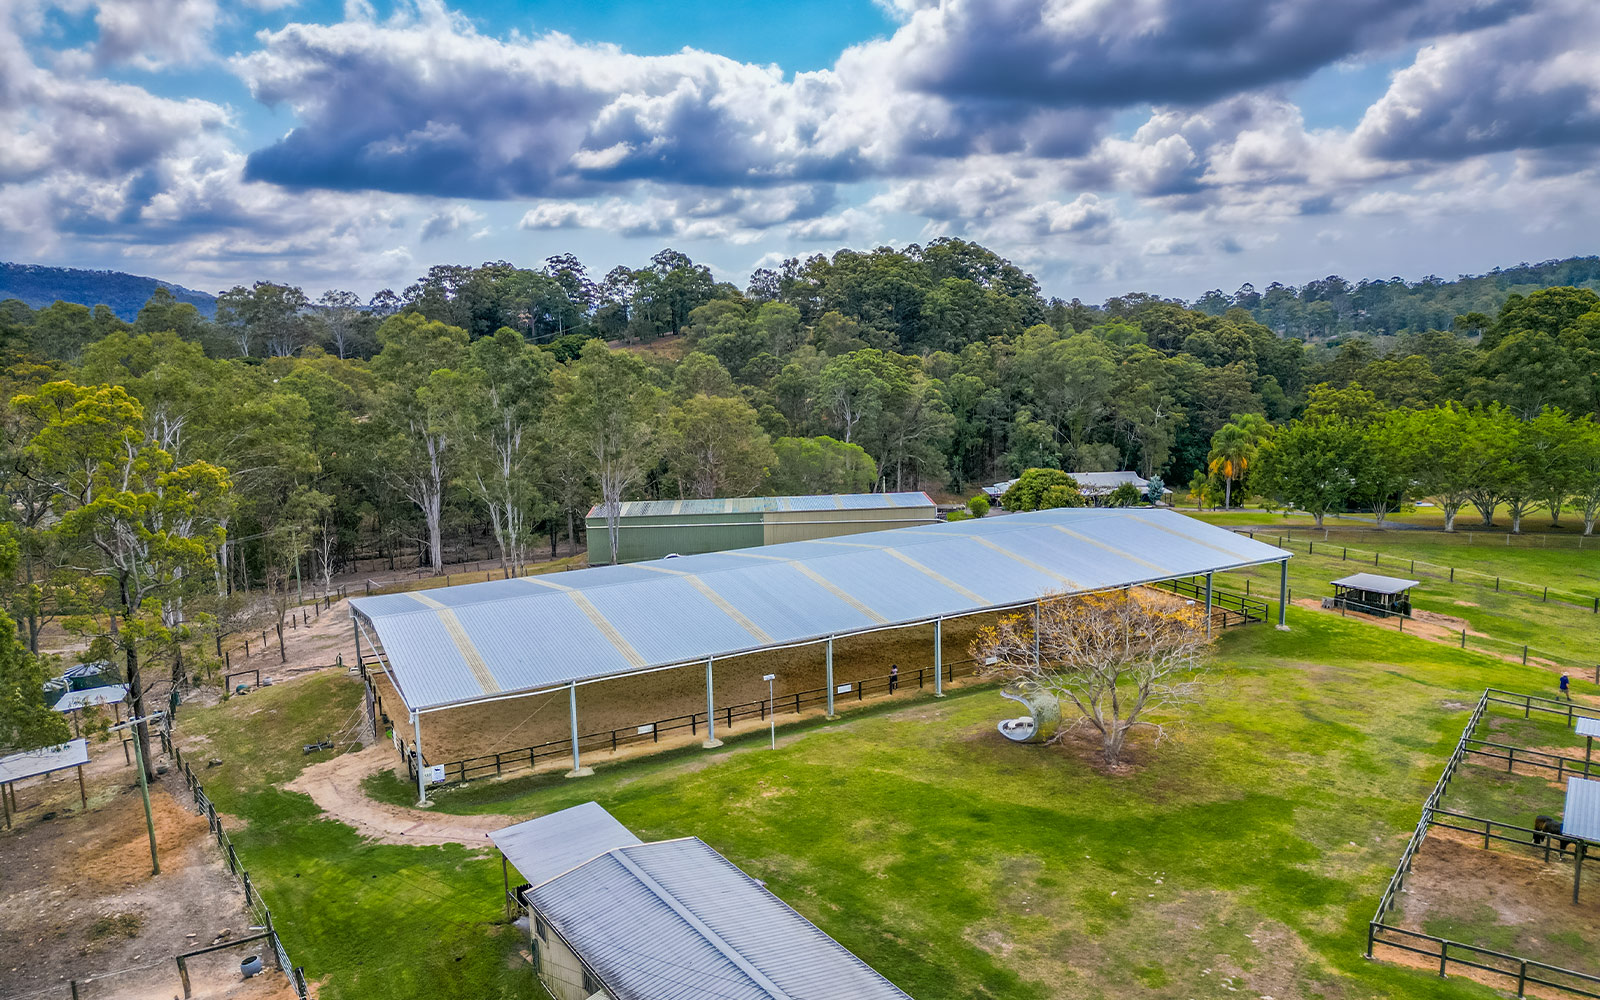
[[1566, 686], [894, 677]]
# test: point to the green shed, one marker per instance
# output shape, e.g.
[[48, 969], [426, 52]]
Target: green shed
[[654, 529]]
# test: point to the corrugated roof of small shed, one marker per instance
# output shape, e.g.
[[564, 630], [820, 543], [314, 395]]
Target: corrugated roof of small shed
[[1376, 584], [546, 846], [109, 694], [31, 763], [760, 505], [458, 644], [1582, 816], [675, 920]]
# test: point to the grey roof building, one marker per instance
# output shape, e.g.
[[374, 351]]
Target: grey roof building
[[671, 920]]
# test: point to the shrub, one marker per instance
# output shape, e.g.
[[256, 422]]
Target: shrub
[[978, 505]]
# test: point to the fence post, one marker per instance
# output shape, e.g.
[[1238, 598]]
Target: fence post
[[1524, 655], [1453, 578], [1444, 953], [1463, 638]]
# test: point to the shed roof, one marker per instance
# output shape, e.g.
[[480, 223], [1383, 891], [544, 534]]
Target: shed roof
[[1373, 583], [107, 695], [1582, 816], [461, 644], [762, 505], [31, 763], [546, 846], [675, 920]]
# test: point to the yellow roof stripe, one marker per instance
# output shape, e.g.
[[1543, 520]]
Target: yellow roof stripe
[[819, 580], [717, 599], [970, 595], [542, 582], [458, 635], [606, 628], [1119, 553]]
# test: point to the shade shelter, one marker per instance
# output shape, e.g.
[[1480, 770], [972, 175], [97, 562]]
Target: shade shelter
[[1587, 728], [34, 763], [1372, 594], [468, 647], [74, 702], [1580, 821]]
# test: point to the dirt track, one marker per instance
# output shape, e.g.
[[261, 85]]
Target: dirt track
[[335, 786]]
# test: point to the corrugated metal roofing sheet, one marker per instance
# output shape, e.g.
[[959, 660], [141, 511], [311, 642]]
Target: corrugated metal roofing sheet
[[675, 920], [1582, 816], [1587, 726], [31, 763], [759, 505], [551, 845], [458, 644], [108, 695], [1375, 583]]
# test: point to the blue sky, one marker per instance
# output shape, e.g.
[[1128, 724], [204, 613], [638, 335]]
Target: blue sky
[[1106, 145]]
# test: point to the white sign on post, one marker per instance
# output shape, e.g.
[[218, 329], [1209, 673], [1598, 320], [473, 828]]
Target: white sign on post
[[643, 730], [436, 774], [842, 689]]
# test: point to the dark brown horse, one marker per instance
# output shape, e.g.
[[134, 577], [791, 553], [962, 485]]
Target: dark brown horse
[[1546, 826]]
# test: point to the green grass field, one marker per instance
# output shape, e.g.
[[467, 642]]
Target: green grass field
[[1241, 857]]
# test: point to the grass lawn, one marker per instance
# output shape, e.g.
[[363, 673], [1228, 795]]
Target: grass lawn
[[366, 920], [1562, 631], [1244, 855]]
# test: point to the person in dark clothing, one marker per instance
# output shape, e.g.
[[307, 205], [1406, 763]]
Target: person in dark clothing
[[894, 677], [1566, 687]]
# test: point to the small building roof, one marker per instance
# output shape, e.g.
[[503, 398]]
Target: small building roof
[[1587, 726], [1375, 584], [765, 505], [505, 637], [1582, 816], [31, 763], [547, 846], [108, 695], [675, 920]]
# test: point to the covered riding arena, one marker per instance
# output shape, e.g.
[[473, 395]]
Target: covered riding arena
[[508, 674]]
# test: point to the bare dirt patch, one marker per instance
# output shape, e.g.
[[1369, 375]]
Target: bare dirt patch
[[336, 787], [78, 900], [1509, 900]]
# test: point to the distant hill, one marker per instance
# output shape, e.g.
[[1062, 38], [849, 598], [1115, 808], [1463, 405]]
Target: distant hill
[[1333, 306], [39, 286]]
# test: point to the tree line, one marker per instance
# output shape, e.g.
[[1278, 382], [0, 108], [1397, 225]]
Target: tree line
[[162, 474]]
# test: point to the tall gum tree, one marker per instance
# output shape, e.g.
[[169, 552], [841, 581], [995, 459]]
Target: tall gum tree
[[128, 515], [418, 371]]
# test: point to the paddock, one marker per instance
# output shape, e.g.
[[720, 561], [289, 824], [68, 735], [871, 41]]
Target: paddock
[[479, 679], [1480, 890]]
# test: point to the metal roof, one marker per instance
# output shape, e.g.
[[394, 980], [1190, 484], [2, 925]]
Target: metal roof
[[108, 695], [460, 644], [675, 920], [1582, 816], [763, 505], [1376, 584], [547, 846], [1587, 726], [31, 763]]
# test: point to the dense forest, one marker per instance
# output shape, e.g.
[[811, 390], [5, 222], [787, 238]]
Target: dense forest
[[177, 471]]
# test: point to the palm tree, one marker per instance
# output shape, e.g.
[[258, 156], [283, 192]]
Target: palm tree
[[1232, 450]]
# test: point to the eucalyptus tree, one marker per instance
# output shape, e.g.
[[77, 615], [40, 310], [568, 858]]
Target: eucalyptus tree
[[143, 525], [612, 412], [505, 392], [420, 385]]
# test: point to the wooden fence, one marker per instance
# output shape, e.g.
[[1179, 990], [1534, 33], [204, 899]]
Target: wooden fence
[[1523, 971]]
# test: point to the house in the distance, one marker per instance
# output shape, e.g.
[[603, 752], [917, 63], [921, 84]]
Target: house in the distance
[[614, 918], [1095, 486]]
